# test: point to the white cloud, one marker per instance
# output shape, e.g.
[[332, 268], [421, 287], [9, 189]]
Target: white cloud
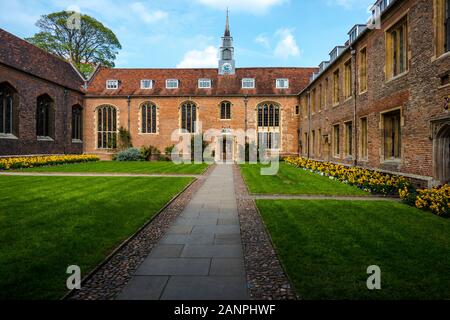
[[263, 40], [147, 15], [287, 45], [206, 58], [252, 6]]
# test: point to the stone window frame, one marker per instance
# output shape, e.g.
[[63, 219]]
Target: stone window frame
[[319, 142], [282, 80], [150, 81], [313, 101], [96, 126], [362, 71], [197, 116], [383, 135], [140, 128], [247, 81], [112, 84], [205, 80], [336, 142], [390, 73], [441, 28], [221, 113], [77, 124], [363, 139], [313, 143], [336, 87], [173, 81], [348, 79], [325, 93], [270, 129], [49, 120], [349, 130], [14, 111]]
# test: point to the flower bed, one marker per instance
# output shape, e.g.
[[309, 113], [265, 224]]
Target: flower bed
[[371, 181], [436, 200], [40, 161]]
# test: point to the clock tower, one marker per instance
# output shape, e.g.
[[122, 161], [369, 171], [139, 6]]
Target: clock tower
[[226, 63]]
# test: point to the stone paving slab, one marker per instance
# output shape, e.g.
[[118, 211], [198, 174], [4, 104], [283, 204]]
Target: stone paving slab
[[201, 256], [206, 288], [174, 266]]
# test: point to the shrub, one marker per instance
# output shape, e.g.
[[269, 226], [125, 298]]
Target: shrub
[[150, 153], [168, 150], [131, 154], [124, 139]]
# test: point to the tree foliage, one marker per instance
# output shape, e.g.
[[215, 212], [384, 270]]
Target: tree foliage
[[84, 41]]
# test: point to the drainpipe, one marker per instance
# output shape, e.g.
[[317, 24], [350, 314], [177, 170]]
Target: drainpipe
[[129, 112], [309, 124], [299, 124], [246, 118], [355, 94], [64, 121]]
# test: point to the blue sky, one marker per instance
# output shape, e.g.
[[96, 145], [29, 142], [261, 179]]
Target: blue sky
[[181, 33]]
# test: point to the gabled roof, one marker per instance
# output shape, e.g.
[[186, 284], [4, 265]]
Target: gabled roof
[[228, 85], [19, 54]]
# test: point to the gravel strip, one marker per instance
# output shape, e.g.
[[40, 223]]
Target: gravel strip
[[107, 281], [265, 275]]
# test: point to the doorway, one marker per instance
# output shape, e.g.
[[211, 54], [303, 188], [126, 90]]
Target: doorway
[[442, 154], [226, 149]]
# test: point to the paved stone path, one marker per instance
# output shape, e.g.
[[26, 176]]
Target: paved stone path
[[116, 175], [319, 197], [200, 258]]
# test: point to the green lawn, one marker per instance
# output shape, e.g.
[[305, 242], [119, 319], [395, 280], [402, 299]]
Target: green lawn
[[326, 247], [162, 167], [49, 223], [291, 180]]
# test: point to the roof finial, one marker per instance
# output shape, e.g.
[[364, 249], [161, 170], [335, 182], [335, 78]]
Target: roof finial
[[227, 27]]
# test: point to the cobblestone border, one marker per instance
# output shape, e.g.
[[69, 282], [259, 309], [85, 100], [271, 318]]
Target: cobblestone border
[[265, 275], [107, 281]]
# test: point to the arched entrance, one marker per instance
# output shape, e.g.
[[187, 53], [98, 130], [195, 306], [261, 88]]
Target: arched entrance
[[441, 148]]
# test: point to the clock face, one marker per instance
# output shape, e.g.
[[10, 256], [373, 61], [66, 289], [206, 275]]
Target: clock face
[[226, 68]]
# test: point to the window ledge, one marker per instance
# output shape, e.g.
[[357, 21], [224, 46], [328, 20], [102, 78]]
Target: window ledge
[[392, 161], [8, 136], [363, 92], [78, 141], [336, 105], [48, 139], [225, 119], [148, 134], [399, 76], [441, 57]]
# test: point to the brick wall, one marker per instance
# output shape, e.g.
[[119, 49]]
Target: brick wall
[[418, 93], [208, 114], [28, 89]]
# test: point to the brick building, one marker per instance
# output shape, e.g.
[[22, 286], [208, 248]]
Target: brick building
[[153, 103], [41, 99], [381, 101]]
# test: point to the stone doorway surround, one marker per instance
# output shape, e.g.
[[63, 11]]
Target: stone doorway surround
[[440, 134]]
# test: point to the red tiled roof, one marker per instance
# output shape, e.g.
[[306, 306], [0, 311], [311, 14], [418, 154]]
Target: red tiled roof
[[188, 81], [20, 54]]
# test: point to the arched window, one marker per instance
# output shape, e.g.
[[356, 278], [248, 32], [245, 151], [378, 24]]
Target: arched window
[[268, 115], [106, 127], [45, 117], [149, 118], [269, 126], [225, 110], [77, 123], [189, 117], [7, 112]]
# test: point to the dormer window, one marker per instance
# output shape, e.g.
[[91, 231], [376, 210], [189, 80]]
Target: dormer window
[[248, 83], [204, 83], [146, 84], [282, 83], [172, 84], [112, 84]]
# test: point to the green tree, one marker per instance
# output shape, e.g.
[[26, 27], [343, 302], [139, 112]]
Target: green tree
[[78, 38]]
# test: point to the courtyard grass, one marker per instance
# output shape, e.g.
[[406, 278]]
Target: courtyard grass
[[137, 167], [293, 181], [326, 247], [49, 223]]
